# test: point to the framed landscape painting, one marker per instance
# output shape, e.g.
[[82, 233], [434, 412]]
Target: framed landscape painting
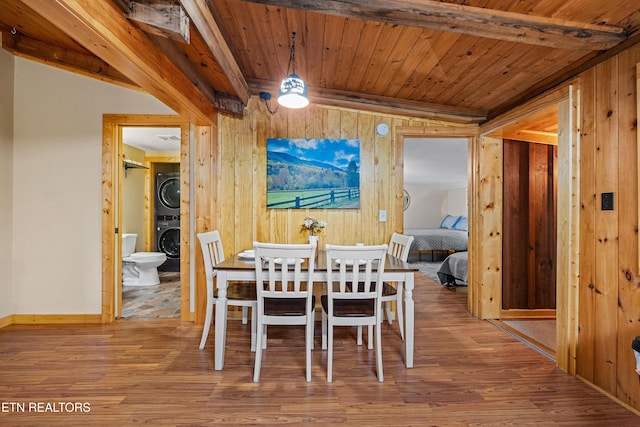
[[313, 173]]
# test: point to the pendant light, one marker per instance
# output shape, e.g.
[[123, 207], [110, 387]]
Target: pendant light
[[293, 90]]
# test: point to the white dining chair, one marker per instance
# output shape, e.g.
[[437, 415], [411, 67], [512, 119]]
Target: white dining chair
[[399, 247], [353, 298], [239, 294], [284, 290]]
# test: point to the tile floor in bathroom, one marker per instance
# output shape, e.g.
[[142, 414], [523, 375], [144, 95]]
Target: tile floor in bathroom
[[159, 301]]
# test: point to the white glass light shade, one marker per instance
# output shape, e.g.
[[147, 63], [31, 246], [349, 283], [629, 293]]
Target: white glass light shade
[[293, 92]]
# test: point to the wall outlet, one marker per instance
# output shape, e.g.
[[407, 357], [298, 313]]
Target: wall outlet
[[382, 216]]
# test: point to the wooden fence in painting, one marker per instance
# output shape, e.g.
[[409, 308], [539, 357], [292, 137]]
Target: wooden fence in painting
[[328, 199]]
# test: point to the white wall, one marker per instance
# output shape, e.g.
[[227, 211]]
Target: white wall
[[57, 185], [6, 189], [133, 197], [429, 205], [426, 207], [435, 175], [457, 202]]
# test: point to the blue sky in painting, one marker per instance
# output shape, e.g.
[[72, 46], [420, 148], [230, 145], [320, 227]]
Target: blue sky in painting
[[337, 152]]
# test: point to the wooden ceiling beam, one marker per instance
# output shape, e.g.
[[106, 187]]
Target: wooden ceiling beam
[[380, 104], [165, 20], [476, 21], [203, 20], [70, 60], [101, 28]]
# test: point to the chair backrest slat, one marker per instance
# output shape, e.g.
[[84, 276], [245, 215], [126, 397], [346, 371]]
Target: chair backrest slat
[[400, 245], [359, 271], [288, 267], [212, 251]]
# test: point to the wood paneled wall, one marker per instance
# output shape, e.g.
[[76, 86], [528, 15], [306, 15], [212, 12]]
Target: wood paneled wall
[[230, 187], [486, 263], [609, 291], [599, 307]]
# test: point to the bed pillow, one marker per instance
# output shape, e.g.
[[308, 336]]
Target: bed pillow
[[449, 221], [461, 224]]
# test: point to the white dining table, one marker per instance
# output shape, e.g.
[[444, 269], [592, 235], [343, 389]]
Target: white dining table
[[235, 268]]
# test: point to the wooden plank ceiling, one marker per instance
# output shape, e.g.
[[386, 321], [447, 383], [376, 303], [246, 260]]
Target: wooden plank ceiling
[[461, 60]]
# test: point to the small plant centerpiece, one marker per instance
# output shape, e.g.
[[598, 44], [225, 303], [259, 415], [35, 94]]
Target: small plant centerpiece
[[313, 227]]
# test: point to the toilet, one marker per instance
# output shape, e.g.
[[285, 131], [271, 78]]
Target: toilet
[[139, 268]]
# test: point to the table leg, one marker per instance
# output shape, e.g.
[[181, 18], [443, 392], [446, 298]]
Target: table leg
[[409, 320], [221, 321]]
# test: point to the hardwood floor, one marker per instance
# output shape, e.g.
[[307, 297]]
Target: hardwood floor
[[467, 372]]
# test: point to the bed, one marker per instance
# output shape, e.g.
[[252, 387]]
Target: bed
[[451, 236], [454, 271]]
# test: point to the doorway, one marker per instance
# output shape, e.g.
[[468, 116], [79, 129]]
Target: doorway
[[436, 183], [529, 243], [529, 228], [469, 134], [113, 176], [151, 218]]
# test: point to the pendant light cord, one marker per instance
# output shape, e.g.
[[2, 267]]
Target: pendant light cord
[[292, 54]]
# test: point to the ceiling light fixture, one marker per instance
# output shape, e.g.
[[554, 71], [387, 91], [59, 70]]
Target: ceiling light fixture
[[293, 90]]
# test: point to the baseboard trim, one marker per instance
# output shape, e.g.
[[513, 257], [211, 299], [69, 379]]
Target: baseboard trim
[[34, 319], [537, 313], [609, 395], [6, 321]]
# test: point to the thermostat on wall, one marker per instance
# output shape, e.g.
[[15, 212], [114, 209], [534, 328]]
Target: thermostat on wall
[[382, 129]]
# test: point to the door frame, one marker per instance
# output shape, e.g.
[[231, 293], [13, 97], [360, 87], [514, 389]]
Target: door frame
[[485, 210], [470, 132], [567, 97], [112, 175]]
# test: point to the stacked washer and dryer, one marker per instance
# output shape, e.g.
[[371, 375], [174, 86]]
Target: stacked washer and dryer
[[167, 221]]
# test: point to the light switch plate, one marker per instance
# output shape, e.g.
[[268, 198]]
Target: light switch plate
[[382, 216], [607, 201]]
